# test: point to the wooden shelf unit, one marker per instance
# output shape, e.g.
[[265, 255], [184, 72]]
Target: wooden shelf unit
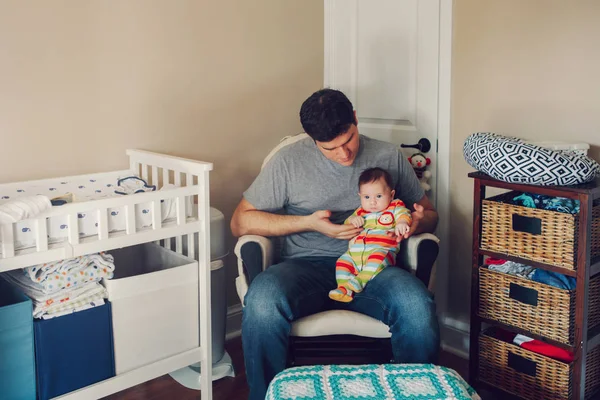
[[585, 339]]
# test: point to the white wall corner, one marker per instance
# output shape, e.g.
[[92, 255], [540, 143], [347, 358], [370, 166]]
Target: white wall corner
[[328, 59], [234, 321], [443, 156]]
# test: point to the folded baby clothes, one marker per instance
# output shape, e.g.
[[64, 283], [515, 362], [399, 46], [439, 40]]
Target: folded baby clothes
[[87, 306], [539, 347], [559, 204], [133, 185], [23, 208], [43, 282], [69, 299], [95, 297], [64, 300], [31, 289], [563, 205], [511, 268], [526, 200], [494, 261], [535, 274], [70, 272], [554, 279]]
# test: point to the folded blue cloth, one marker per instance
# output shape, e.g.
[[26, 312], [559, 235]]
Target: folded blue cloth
[[554, 279], [562, 205], [559, 204], [525, 200]]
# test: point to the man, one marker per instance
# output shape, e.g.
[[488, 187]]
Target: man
[[315, 183]]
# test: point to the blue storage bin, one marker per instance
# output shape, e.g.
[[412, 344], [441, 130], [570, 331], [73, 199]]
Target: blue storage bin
[[17, 362], [74, 351]]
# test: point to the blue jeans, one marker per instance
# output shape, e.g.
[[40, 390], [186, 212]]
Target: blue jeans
[[299, 287]]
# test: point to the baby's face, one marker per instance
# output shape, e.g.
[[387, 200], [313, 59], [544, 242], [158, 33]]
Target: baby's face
[[375, 196]]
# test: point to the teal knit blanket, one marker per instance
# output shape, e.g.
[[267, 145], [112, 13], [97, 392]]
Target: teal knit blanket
[[370, 382]]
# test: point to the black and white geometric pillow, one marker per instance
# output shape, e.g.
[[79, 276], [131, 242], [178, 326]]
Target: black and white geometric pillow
[[512, 160]]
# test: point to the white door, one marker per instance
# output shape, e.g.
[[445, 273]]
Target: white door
[[392, 59], [384, 54]]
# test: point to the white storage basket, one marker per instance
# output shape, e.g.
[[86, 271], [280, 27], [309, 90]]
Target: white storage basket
[[154, 296]]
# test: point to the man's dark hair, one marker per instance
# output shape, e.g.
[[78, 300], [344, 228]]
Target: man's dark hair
[[373, 175], [326, 114]]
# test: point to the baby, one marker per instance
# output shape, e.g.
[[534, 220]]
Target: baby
[[373, 249]]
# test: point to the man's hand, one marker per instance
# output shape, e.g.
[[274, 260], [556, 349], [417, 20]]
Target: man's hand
[[356, 221], [319, 222], [417, 216]]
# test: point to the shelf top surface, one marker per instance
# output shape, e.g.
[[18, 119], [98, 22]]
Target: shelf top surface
[[585, 188]]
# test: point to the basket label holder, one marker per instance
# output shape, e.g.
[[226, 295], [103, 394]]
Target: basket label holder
[[521, 364], [521, 223], [523, 294]]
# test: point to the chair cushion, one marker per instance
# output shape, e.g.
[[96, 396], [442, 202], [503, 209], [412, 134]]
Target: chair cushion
[[339, 322], [370, 382], [513, 160]]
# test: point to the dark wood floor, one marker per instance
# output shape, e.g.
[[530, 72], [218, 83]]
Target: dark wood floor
[[236, 388], [166, 388]]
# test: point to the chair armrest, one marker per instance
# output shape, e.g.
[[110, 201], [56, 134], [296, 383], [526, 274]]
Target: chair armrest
[[254, 254], [409, 250], [418, 254]]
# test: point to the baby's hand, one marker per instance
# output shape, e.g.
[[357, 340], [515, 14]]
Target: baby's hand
[[402, 228], [356, 221]]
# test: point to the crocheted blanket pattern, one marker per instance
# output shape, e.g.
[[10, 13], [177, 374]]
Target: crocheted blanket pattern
[[370, 382]]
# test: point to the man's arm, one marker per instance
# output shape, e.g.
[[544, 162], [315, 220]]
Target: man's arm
[[427, 217], [247, 220]]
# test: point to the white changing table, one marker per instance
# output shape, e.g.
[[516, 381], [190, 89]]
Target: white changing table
[[191, 186]]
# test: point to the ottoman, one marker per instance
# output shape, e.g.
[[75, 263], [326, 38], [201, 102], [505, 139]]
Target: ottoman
[[370, 382]]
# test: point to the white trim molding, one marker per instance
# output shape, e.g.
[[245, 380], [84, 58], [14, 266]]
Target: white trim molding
[[328, 59], [234, 322], [443, 154]]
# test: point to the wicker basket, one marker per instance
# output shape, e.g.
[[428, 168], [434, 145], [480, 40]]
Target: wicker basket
[[534, 234], [529, 375], [535, 307]]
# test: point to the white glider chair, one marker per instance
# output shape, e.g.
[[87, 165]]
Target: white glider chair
[[340, 335]]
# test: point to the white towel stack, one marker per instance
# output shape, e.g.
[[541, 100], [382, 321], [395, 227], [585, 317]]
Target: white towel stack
[[23, 208]]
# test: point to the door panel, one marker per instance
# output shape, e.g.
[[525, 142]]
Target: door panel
[[384, 54]]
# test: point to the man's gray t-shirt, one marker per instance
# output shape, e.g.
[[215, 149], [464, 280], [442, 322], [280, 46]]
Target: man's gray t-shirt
[[299, 180]]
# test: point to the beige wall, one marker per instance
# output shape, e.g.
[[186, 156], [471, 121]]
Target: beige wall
[[222, 81], [217, 81], [523, 68]]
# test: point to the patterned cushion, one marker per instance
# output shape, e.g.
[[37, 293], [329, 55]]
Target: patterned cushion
[[512, 160], [370, 382]]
